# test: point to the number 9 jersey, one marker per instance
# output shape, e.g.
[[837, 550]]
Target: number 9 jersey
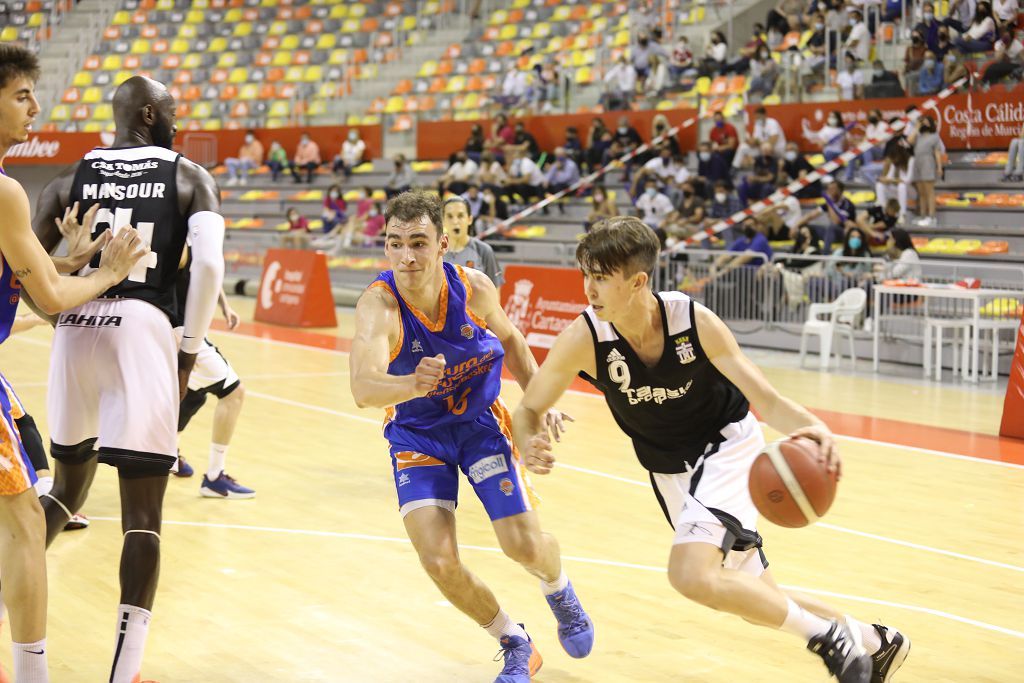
[[137, 187]]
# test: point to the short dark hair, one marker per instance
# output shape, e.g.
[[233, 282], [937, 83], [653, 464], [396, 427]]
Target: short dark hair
[[901, 239], [458, 200], [411, 205], [17, 61], [621, 243], [760, 110]]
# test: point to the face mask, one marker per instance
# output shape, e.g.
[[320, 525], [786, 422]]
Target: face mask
[[879, 72], [372, 211], [835, 122], [705, 156], [853, 22], [598, 199], [928, 16], [855, 243], [872, 120], [764, 56], [819, 26], [304, 141], [623, 129], [749, 232], [791, 156], [721, 197], [650, 191], [249, 139], [929, 63], [353, 136], [333, 194]]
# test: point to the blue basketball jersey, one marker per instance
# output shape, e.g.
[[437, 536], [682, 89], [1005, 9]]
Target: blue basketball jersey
[[10, 294], [473, 356]]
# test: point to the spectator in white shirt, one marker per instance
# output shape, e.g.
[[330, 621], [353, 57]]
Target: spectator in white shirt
[[851, 82], [525, 177], [981, 36], [1005, 12], [766, 129], [652, 206], [716, 55], [459, 175], [619, 85], [513, 88], [858, 41], [657, 77], [351, 155]]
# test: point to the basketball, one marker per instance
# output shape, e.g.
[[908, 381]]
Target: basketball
[[788, 484]]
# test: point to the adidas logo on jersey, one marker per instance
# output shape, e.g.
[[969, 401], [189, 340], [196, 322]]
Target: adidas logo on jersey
[[74, 320], [615, 355]]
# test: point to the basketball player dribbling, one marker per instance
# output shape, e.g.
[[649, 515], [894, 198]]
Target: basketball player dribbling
[[678, 384], [118, 373], [429, 345], [26, 264]]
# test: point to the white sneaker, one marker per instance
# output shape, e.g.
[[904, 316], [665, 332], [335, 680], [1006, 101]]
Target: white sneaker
[[243, 181], [232, 181], [925, 222]]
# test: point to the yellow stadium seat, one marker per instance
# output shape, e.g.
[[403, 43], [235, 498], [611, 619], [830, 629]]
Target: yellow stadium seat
[[92, 95], [92, 127], [339, 11], [121, 18], [703, 86], [249, 91], [243, 29], [103, 112], [316, 108], [338, 57], [428, 69], [357, 10], [541, 29], [83, 79], [165, 5], [122, 76], [201, 110], [278, 28], [408, 23], [218, 44], [508, 32], [233, 16], [498, 18], [195, 17], [36, 20], [395, 105], [227, 60], [456, 84], [238, 75], [350, 26], [290, 42], [520, 4], [314, 74], [60, 113], [326, 41], [212, 124], [584, 76], [8, 34], [594, 11], [561, 13], [584, 57], [112, 62], [279, 109], [621, 39], [180, 46], [293, 74], [191, 61], [281, 58]]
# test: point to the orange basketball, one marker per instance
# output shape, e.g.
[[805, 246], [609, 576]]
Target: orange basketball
[[788, 484]]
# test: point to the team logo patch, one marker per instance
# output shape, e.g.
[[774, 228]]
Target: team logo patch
[[417, 347], [403, 479], [684, 349], [615, 355], [506, 486], [485, 468], [466, 331], [406, 459]]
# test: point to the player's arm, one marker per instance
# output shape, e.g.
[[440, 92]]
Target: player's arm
[[56, 219], [572, 353], [484, 303], [781, 413], [378, 329], [51, 292], [206, 272]]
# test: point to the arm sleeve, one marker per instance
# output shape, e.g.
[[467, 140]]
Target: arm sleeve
[[206, 235]]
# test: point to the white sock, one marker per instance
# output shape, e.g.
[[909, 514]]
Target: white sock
[[502, 625], [30, 662], [132, 629], [218, 456], [802, 623], [869, 636], [44, 485], [559, 584]]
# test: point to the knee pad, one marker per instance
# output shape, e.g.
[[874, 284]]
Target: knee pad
[[32, 442]]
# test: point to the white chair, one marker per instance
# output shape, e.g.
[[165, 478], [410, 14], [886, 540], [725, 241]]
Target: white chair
[[841, 316], [935, 328], [993, 326]]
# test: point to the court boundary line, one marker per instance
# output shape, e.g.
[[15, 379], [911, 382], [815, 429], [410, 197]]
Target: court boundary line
[[583, 560]]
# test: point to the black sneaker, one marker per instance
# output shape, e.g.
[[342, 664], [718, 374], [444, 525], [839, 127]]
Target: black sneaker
[[844, 656], [890, 657]]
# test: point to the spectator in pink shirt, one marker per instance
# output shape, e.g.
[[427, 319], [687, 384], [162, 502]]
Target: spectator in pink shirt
[[307, 156]]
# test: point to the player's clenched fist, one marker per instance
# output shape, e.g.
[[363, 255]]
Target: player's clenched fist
[[539, 458], [428, 374]]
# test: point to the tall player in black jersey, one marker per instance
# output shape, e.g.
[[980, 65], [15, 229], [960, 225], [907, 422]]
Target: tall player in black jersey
[[117, 373], [678, 384]]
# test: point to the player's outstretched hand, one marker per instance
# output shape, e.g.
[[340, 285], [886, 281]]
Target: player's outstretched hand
[[555, 421], [230, 316], [539, 458], [828, 451], [81, 246], [429, 374], [123, 252]]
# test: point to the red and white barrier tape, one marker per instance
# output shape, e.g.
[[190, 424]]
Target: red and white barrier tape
[[817, 174]]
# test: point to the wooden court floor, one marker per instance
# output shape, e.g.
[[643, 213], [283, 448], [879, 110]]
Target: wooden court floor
[[313, 580]]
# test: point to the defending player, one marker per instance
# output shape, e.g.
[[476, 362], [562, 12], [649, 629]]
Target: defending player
[[429, 343], [678, 384], [117, 374], [26, 264]]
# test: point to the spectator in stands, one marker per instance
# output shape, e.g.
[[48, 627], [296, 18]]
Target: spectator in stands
[[716, 55], [660, 127], [913, 57], [762, 181], [806, 243], [1014, 171], [656, 82], [884, 83], [961, 15], [857, 44], [334, 210], [928, 27], [277, 160], [492, 173], [401, 179], [307, 157], [855, 246], [840, 210], [724, 203], [640, 55], [749, 51], [879, 220], [851, 82], [297, 236], [475, 143], [793, 166], [785, 16], [524, 140], [928, 151], [627, 136], [831, 136], [513, 88], [943, 45], [464, 249], [897, 174], [619, 85], [904, 261], [1005, 13], [785, 218], [598, 140], [525, 178], [766, 131], [689, 213], [350, 156], [816, 45], [548, 81], [653, 207], [561, 174], [724, 142], [764, 72], [1009, 50], [601, 206], [373, 220], [981, 36], [953, 69], [475, 200], [250, 157], [573, 146], [929, 78], [751, 239], [613, 152], [502, 135], [682, 64], [496, 206], [461, 172], [662, 167]]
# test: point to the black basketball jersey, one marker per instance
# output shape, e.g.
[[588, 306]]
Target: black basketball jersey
[[137, 186], [674, 411]]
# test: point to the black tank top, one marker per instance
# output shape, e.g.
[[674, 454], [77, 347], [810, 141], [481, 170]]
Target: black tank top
[[137, 186], [675, 411]]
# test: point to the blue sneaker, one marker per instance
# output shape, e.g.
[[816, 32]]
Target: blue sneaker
[[183, 469], [224, 486], [522, 660], [575, 629]]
